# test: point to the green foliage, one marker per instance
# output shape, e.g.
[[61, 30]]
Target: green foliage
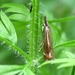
[[70, 61], [34, 61], [66, 44], [7, 30], [62, 19], [9, 69], [21, 13]]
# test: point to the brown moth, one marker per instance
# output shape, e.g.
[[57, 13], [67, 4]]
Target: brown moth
[[48, 48]]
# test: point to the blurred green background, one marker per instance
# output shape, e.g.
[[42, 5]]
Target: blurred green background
[[53, 9]]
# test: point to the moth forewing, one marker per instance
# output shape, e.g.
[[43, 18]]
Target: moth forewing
[[48, 48]]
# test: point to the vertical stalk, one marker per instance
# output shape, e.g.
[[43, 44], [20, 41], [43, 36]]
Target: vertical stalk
[[34, 32], [34, 29]]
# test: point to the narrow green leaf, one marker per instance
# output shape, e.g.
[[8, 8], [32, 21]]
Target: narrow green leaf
[[66, 65], [62, 19], [67, 44], [11, 73], [56, 61], [26, 71], [11, 5], [9, 28], [29, 72], [26, 68], [9, 69], [69, 54], [3, 32], [17, 8], [19, 17]]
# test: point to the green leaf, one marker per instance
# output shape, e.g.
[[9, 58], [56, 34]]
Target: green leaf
[[19, 17], [69, 54], [7, 29], [29, 72], [66, 65], [13, 7], [17, 8], [10, 69], [62, 19], [14, 69], [66, 44], [3, 32], [57, 61], [26, 70]]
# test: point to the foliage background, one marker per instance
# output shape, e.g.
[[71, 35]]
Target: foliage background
[[53, 9]]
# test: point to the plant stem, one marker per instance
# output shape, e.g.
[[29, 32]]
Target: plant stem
[[33, 42], [34, 29]]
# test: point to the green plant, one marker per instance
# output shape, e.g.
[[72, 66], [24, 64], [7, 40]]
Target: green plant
[[8, 35]]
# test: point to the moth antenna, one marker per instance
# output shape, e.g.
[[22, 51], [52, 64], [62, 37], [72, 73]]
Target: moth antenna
[[45, 21]]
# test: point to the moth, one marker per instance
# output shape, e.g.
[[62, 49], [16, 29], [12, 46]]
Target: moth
[[48, 48]]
